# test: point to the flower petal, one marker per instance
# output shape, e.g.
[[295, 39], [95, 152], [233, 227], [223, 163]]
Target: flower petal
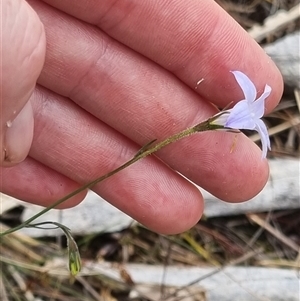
[[264, 137], [240, 117], [246, 85], [258, 106]]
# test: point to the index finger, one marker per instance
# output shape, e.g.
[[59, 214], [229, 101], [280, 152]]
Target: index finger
[[183, 36]]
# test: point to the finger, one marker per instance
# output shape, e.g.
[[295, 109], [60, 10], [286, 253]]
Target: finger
[[192, 39], [143, 101], [22, 56], [36, 183], [74, 143]]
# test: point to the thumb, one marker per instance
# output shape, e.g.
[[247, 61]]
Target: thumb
[[22, 56]]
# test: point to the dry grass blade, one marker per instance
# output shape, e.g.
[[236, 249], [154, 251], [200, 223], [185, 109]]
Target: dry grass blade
[[293, 122], [279, 263], [89, 288], [28, 295], [152, 293], [199, 249], [3, 293], [237, 261], [276, 233]]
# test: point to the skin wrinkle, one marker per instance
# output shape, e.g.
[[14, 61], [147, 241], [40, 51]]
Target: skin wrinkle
[[129, 8], [46, 123], [89, 69], [184, 31], [186, 51], [41, 111], [76, 86]]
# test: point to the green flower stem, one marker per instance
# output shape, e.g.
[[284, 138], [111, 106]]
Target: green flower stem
[[142, 153]]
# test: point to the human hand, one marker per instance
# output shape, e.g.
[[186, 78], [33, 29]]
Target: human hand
[[123, 74]]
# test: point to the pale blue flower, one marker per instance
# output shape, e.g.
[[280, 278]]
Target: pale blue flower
[[247, 113]]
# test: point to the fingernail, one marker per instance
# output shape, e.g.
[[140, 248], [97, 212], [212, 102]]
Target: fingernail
[[18, 137]]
